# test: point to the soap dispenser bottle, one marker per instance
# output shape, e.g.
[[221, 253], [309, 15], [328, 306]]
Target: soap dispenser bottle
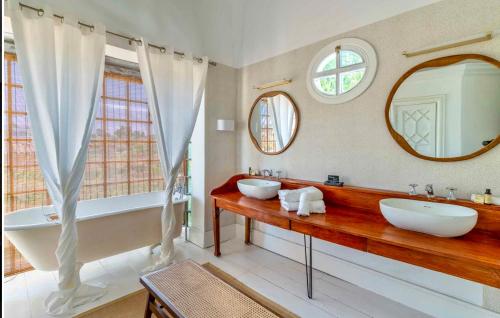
[[487, 197]]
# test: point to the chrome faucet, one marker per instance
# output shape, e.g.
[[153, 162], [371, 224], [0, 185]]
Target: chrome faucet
[[278, 174], [429, 190], [267, 172], [451, 193], [412, 190]]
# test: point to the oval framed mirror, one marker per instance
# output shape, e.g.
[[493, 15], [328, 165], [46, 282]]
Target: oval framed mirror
[[447, 109], [273, 122]]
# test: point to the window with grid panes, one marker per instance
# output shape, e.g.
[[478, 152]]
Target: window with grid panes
[[122, 155], [268, 141], [341, 71]]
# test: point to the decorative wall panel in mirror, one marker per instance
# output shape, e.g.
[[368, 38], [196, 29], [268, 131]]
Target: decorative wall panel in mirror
[[447, 109], [273, 122]]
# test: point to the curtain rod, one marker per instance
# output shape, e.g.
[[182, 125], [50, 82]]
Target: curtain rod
[[162, 49]]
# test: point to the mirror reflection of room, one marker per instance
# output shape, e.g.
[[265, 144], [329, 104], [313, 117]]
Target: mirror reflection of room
[[449, 111], [273, 122]]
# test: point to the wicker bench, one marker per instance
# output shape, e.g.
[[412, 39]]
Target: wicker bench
[[189, 290]]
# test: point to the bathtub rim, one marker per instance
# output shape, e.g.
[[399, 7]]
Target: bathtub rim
[[20, 227]]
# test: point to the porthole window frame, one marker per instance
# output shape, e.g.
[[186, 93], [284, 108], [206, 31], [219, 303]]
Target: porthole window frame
[[358, 46]]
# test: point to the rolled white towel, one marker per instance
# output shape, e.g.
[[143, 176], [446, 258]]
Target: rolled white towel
[[294, 195], [307, 206], [316, 206], [304, 204]]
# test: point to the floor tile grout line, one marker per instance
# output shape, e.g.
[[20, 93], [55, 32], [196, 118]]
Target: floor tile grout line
[[44, 295], [285, 259], [351, 294], [102, 267], [289, 292], [245, 260], [110, 273], [301, 246], [338, 283], [333, 256], [322, 293], [316, 279], [244, 269], [25, 284], [111, 282]]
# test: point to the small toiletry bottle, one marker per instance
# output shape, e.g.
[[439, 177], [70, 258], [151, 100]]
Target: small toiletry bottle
[[477, 198], [487, 197]]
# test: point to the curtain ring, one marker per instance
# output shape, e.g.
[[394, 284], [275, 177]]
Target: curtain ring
[[91, 28], [163, 50], [40, 12]]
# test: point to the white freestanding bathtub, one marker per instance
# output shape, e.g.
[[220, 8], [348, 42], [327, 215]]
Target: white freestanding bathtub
[[105, 227]]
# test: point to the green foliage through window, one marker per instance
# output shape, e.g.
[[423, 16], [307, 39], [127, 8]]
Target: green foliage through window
[[350, 72]]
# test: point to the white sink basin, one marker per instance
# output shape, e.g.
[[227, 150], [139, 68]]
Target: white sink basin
[[259, 188], [439, 219]]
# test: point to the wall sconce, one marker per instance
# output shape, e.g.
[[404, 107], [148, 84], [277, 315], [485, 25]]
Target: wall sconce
[[272, 84], [225, 125]]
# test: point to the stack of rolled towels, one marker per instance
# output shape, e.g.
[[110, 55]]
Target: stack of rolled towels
[[305, 200]]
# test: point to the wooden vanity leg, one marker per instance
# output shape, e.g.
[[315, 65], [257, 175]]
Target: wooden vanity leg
[[248, 228], [216, 228]]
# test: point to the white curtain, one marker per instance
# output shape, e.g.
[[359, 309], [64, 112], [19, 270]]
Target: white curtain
[[175, 87], [256, 122], [283, 116], [62, 67]]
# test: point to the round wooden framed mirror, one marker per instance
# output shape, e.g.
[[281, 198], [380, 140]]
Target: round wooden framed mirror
[[273, 122], [447, 109]]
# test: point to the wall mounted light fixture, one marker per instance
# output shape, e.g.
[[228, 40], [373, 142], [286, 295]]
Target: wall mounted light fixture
[[225, 125], [481, 37], [272, 84]]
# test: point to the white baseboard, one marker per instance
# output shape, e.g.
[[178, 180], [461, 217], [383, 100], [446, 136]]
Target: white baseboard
[[411, 295], [196, 236], [206, 239], [226, 233]]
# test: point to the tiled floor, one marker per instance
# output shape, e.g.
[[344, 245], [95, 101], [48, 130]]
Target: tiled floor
[[274, 276]]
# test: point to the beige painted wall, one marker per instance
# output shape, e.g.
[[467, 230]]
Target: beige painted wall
[[351, 139], [213, 152], [220, 146]]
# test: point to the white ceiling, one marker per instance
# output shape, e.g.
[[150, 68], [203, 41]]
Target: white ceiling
[[234, 32]]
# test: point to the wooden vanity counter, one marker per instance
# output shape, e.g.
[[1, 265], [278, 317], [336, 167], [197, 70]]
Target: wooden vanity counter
[[353, 219]]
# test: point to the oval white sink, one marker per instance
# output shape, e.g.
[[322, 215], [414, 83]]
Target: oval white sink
[[259, 188], [439, 219]]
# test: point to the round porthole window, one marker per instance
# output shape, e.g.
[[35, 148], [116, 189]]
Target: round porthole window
[[341, 71]]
